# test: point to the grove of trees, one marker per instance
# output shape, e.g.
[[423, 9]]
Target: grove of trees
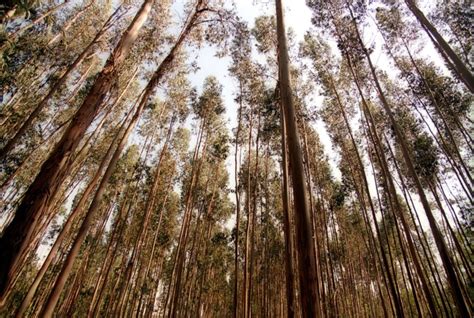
[[336, 181]]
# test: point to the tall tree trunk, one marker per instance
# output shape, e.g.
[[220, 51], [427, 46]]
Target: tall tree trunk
[[289, 266], [237, 206], [246, 278], [307, 271]]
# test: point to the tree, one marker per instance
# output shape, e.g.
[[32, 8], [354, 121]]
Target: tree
[[304, 231]]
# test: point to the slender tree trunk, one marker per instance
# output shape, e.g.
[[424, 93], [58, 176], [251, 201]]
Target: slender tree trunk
[[237, 207], [289, 266], [307, 271], [246, 289], [255, 194]]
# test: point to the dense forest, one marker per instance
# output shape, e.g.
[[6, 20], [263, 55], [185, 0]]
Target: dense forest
[[335, 180]]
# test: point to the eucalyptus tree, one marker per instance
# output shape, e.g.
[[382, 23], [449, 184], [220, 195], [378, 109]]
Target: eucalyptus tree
[[304, 230], [84, 116], [53, 171], [208, 108], [268, 39], [240, 52], [452, 59], [349, 17]]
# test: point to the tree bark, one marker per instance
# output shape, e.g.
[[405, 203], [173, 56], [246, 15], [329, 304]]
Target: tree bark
[[305, 245], [237, 207], [289, 266]]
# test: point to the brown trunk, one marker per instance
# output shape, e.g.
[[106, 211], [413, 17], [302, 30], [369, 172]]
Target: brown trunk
[[84, 279], [237, 209], [255, 194], [246, 278], [391, 189], [310, 306], [461, 227], [289, 266]]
